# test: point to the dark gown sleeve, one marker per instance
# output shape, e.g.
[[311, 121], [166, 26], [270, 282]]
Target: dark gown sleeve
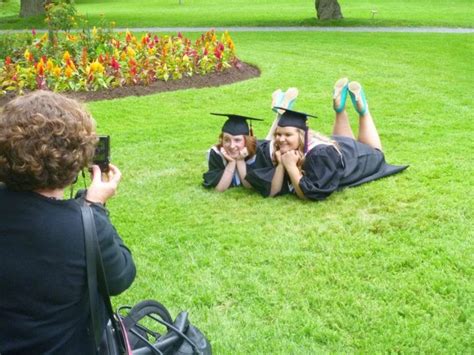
[[261, 175], [117, 259], [322, 173], [215, 171]]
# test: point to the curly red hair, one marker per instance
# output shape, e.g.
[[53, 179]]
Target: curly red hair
[[45, 140]]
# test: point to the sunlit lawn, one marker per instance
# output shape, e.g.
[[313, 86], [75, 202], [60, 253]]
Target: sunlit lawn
[[385, 267], [455, 13]]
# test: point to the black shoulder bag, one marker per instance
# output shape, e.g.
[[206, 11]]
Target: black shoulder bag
[[134, 330]]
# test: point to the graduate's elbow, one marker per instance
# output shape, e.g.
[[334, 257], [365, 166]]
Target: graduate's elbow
[[220, 188]]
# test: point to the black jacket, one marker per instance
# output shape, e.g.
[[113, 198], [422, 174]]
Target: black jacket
[[44, 306]]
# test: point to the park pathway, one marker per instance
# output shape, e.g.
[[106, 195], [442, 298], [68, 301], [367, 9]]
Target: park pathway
[[289, 29]]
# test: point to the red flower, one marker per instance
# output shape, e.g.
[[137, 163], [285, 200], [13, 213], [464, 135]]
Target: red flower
[[114, 64], [217, 53], [33, 32], [8, 60]]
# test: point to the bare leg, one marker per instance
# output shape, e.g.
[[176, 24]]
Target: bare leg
[[368, 132], [342, 126]]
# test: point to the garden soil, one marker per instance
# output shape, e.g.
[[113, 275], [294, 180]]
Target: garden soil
[[242, 71]]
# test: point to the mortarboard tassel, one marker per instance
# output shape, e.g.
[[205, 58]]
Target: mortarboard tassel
[[251, 129]]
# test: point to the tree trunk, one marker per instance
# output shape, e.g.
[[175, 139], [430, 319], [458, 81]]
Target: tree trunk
[[31, 8], [328, 10]]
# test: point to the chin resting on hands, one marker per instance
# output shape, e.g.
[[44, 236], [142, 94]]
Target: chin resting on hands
[[291, 157]]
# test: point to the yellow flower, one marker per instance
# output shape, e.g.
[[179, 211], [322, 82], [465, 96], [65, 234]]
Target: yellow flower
[[57, 71], [96, 67], [66, 56], [94, 31], [27, 54], [68, 72], [131, 53], [49, 65]]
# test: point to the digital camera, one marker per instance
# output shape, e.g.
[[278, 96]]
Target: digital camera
[[102, 153]]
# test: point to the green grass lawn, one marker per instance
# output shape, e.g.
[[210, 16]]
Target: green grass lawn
[[385, 267], [453, 13]]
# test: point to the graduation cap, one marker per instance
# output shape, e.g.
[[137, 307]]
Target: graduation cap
[[237, 124], [290, 118]]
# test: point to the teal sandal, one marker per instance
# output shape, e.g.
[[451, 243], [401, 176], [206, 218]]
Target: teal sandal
[[340, 89], [284, 99], [358, 95]]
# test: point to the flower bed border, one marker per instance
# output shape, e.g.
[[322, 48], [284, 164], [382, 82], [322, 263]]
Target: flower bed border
[[231, 75]]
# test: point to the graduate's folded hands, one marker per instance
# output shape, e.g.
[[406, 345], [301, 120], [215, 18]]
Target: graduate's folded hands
[[290, 158], [226, 155], [244, 153]]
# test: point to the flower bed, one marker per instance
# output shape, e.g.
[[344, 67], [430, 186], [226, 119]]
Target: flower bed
[[94, 59]]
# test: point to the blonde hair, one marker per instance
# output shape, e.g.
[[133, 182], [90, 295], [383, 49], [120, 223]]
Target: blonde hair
[[312, 135], [45, 140]]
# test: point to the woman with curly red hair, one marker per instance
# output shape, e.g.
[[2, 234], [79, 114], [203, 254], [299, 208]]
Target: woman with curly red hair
[[45, 141]]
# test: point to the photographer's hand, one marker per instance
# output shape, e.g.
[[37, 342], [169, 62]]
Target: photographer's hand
[[103, 186]]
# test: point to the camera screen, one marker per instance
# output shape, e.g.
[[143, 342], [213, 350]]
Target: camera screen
[[102, 151]]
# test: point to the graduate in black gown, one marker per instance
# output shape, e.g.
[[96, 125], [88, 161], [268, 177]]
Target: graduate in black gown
[[233, 156], [298, 160]]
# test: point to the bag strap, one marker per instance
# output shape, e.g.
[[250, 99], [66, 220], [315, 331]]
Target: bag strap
[[96, 277], [143, 309], [89, 230]]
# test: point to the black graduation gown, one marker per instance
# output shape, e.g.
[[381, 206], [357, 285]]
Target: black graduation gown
[[216, 167], [260, 177], [324, 169]]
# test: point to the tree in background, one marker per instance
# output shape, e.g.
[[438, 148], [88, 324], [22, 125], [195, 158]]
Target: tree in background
[[328, 10], [31, 8]]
